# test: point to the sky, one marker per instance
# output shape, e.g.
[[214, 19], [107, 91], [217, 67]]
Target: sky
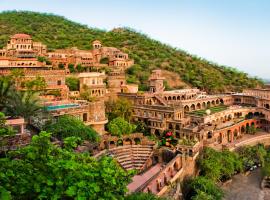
[[234, 33]]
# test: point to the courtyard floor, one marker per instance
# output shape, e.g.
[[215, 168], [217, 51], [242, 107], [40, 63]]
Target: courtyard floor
[[246, 187]]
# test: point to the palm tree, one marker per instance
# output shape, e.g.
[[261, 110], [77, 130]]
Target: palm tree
[[24, 104], [6, 87]]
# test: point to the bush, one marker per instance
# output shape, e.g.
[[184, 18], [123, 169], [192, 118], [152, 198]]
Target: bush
[[119, 127], [67, 126]]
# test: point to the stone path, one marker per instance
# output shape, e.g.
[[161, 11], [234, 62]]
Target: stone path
[[139, 180], [246, 187]]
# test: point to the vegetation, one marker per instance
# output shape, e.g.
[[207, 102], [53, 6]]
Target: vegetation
[[202, 188], [6, 87], [251, 156], [58, 32], [120, 126], [212, 109], [67, 126], [119, 108], [23, 104], [45, 171], [219, 166], [73, 83], [4, 129]]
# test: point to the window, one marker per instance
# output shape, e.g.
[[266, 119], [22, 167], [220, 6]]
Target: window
[[59, 82]]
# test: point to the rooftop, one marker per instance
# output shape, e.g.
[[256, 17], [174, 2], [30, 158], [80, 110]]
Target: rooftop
[[21, 36]]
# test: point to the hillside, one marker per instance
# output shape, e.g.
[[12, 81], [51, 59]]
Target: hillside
[[58, 32]]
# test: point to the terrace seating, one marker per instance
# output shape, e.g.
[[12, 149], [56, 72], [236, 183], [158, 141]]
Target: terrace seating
[[132, 156]]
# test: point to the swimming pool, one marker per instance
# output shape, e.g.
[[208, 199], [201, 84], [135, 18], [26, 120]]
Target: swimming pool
[[59, 107]]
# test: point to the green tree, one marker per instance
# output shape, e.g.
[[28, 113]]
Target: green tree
[[6, 87], [24, 104], [37, 84], [119, 108], [73, 83], [45, 171], [67, 126], [201, 187], [71, 68], [61, 66], [120, 126], [4, 129]]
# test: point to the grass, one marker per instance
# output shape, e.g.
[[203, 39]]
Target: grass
[[212, 109]]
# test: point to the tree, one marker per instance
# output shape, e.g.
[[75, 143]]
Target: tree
[[24, 104], [219, 166], [4, 129], [6, 87], [37, 84], [45, 171], [203, 189], [61, 66], [119, 108], [67, 126], [73, 83], [120, 126], [71, 68]]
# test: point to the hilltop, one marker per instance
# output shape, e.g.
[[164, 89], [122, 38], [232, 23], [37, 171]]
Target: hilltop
[[58, 32]]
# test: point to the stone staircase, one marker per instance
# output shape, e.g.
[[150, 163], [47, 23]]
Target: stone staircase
[[132, 156], [160, 99]]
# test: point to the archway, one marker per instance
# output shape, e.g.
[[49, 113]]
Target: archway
[[192, 107], [209, 135], [204, 105], [119, 142], [128, 141], [186, 108], [229, 135], [221, 101], [157, 133], [137, 141], [208, 104], [198, 106]]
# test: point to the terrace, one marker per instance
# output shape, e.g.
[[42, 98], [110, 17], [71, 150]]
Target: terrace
[[212, 110]]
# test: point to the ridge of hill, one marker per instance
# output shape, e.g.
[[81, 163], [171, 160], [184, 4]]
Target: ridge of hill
[[58, 32]]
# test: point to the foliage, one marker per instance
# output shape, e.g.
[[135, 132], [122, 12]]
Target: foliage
[[219, 165], [251, 156], [23, 104], [6, 87], [37, 84], [266, 167], [4, 129], [203, 189], [45, 171], [57, 32], [73, 83], [119, 108], [120, 126], [67, 126], [143, 196]]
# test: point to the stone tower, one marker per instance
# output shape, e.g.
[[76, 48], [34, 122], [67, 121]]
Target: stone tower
[[96, 44], [156, 82]]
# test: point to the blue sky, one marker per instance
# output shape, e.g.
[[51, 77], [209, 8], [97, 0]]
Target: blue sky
[[230, 32]]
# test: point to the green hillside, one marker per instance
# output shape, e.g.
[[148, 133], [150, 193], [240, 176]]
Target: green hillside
[[58, 32]]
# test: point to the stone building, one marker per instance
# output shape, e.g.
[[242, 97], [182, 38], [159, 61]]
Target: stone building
[[22, 52], [93, 83]]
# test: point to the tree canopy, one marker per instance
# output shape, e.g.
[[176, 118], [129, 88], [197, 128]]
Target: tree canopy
[[67, 126], [45, 171], [119, 127]]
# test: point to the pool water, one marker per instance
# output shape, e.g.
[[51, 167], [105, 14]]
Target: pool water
[[59, 107]]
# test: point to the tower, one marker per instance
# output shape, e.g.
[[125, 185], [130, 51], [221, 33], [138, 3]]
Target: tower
[[156, 82], [96, 44]]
